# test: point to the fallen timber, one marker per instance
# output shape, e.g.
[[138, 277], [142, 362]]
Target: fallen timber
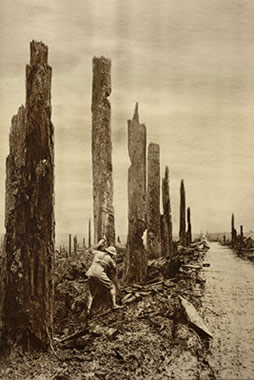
[[157, 285], [194, 317]]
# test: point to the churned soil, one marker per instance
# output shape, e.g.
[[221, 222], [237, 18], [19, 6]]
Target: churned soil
[[148, 338]]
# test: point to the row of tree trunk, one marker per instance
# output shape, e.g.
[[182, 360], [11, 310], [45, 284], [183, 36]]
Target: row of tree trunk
[[29, 246]]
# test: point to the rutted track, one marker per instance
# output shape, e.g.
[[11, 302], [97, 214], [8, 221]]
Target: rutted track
[[228, 308]]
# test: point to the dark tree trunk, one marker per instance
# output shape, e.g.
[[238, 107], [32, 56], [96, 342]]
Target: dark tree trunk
[[75, 244], [104, 221], [89, 233], [189, 234], [136, 258], [166, 218], [69, 244], [182, 232], [153, 202], [233, 231], [28, 289]]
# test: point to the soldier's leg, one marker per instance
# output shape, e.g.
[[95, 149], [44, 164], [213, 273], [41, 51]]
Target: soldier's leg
[[91, 294], [112, 292], [89, 303]]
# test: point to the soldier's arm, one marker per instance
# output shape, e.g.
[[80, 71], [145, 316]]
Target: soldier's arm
[[99, 245]]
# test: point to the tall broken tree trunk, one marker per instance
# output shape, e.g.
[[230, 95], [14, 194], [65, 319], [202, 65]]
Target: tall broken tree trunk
[[166, 218], [233, 230], [29, 220], [69, 244], [189, 233], [241, 232], [241, 237], [89, 233], [153, 202], [136, 258], [75, 244], [182, 232], [104, 222]]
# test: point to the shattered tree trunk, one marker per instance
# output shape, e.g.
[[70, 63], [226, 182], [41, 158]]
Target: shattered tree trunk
[[233, 230], [182, 231], [89, 233], [153, 202], [29, 220], [104, 221], [189, 233], [241, 236], [166, 218], [136, 258], [75, 244], [69, 244]]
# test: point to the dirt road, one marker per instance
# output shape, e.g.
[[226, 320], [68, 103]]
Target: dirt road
[[228, 309]]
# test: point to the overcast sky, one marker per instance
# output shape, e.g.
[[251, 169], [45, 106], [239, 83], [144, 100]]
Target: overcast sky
[[189, 64]]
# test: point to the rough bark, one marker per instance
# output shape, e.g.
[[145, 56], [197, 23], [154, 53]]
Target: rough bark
[[136, 257], [104, 221], [29, 219], [182, 231], [153, 202], [189, 233], [166, 218]]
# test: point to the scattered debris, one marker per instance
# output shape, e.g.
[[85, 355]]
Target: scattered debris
[[147, 338]]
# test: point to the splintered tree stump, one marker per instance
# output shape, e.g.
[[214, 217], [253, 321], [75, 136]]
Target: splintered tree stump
[[136, 257], [188, 233], [89, 233], [153, 202], [166, 218], [182, 231], [233, 230], [104, 221], [28, 291], [69, 244]]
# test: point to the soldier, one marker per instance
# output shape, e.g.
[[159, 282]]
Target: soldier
[[102, 272]]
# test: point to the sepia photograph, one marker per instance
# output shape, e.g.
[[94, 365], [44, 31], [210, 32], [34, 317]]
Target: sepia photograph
[[126, 190]]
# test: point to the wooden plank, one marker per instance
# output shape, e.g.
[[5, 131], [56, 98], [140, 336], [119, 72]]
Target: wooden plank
[[194, 317], [192, 266]]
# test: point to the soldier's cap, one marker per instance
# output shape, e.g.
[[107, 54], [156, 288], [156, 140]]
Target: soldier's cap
[[111, 250]]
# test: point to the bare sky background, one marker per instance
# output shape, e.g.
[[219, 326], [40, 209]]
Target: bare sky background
[[189, 64]]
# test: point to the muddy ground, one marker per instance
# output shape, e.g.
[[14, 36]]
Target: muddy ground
[[149, 338]]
